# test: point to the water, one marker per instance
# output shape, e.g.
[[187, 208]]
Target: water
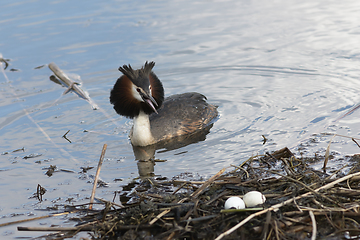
[[282, 69]]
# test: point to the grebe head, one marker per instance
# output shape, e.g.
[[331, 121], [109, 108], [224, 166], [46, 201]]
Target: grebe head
[[137, 90]]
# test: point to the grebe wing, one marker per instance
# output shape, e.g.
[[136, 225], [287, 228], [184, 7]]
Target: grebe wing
[[182, 114]]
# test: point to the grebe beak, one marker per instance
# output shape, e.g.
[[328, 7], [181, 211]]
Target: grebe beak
[[148, 99]]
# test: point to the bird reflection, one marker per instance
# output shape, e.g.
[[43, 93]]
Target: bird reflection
[[145, 156]]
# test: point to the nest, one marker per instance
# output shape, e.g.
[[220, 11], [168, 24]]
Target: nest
[[302, 203]]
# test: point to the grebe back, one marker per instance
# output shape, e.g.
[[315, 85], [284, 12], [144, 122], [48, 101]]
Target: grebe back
[[139, 94]]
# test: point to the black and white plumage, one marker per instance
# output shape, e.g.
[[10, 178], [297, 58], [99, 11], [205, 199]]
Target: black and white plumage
[[139, 94]]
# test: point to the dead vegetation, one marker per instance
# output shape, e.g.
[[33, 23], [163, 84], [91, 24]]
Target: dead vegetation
[[302, 203]]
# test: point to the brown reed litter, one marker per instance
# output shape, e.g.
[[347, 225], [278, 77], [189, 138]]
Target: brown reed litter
[[302, 203]]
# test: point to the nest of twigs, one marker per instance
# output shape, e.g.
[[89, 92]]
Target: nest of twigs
[[301, 204]]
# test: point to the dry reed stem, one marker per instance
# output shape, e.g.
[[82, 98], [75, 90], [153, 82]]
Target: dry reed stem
[[327, 153], [305, 186], [164, 212], [207, 183], [97, 175], [36, 218], [353, 109], [355, 142], [55, 229], [313, 221], [339, 135], [109, 202]]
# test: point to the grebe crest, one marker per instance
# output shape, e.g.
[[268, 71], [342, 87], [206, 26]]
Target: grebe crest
[[139, 94]]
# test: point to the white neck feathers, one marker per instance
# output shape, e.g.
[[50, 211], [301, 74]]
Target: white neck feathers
[[140, 134]]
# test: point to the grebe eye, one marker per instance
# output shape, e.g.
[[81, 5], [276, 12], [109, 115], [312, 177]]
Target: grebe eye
[[138, 89]]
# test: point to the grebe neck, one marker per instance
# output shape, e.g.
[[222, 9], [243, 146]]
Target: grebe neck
[[141, 133]]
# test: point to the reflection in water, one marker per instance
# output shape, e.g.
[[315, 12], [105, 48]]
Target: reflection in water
[[146, 155], [146, 168]]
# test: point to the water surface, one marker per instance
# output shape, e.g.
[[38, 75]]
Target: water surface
[[284, 69]]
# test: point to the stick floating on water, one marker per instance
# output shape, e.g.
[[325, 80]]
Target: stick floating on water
[[67, 81], [70, 84]]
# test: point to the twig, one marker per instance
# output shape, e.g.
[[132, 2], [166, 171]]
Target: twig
[[188, 182], [264, 139], [297, 206], [287, 168], [178, 189], [55, 229], [266, 227], [355, 142], [339, 135], [64, 136], [327, 153], [164, 212], [305, 186], [97, 175], [276, 230], [40, 191], [313, 220], [171, 236], [243, 222], [334, 173], [348, 112], [207, 183], [2, 60], [329, 185], [112, 203], [250, 159], [36, 218], [241, 168]]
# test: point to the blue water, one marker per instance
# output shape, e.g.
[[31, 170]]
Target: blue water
[[284, 69]]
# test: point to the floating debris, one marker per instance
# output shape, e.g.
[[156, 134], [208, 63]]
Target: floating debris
[[50, 170], [13, 151], [71, 85], [64, 136], [3, 60], [41, 66], [32, 155], [68, 82], [40, 191]]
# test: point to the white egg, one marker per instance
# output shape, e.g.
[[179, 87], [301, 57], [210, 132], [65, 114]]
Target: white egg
[[234, 202], [254, 198]]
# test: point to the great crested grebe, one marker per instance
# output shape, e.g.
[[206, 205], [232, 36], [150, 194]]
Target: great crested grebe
[[139, 94]]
